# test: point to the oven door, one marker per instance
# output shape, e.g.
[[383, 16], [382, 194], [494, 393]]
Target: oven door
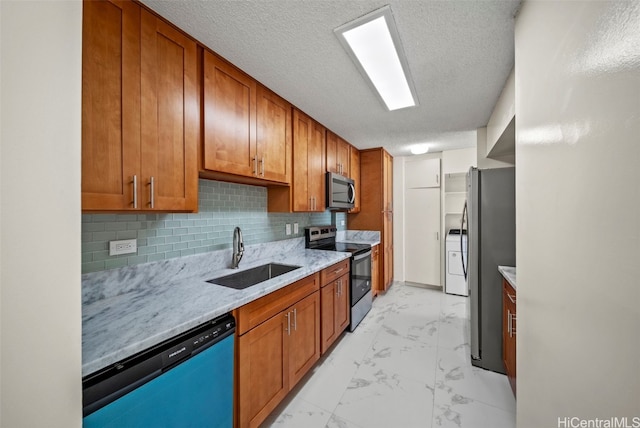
[[360, 276]]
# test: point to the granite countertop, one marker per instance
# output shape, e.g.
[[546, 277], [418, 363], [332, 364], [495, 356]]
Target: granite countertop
[[118, 325], [359, 237], [509, 273]]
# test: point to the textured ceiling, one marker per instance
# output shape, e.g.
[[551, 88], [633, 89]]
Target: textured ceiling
[[459, 53]]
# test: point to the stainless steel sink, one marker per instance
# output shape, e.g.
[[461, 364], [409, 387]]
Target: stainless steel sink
[[253, 276]]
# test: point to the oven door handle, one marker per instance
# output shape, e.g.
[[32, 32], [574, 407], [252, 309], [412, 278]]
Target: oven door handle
[[362, 256]]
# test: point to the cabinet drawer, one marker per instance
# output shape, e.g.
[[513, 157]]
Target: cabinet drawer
[[254, 313], [334, 272]]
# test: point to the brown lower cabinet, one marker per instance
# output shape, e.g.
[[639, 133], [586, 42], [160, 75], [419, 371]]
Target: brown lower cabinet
[[509, 332], [279, 341], [375, 267], [335, 306]]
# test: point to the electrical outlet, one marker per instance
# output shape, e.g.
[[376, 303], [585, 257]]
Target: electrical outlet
[[341, 222], [125, 246], [295, 228], [287, 229]]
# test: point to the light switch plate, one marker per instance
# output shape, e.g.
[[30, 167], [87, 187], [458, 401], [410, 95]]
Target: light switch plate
[[287, 229], [125, 246], [295, 228]]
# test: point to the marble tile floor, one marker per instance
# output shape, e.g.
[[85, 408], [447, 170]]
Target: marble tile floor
[[407, 365]]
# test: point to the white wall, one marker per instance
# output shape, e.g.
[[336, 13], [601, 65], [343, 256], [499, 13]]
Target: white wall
[[398, 216], [483, 161], [502, 114], [578, 205], [40, 363]]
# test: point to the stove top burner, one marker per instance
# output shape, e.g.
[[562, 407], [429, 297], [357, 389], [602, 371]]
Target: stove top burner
[[324, 238], [352, 248]]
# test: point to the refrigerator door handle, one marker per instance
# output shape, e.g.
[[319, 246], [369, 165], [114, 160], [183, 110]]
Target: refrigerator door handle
[[464, 267]]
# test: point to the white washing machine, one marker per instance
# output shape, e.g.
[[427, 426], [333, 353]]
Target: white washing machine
[[455, 282]]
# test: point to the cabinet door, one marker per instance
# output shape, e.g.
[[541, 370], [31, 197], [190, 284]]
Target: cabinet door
[[342, 155], [302, 129], [328, 307], [304, 339], [316, 167], [388, 220], [509, 332], [273, 137], [422, 173], [354, 173], [169, 111], [263, 371], [338, 154], [332, 153], [110, 104], [229, 118], [375, 269], [342, 312], [387, 171]]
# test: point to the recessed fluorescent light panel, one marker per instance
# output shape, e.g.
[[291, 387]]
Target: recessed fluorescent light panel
[[373, 44]]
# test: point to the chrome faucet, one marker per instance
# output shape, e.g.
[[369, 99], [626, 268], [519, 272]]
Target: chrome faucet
[[238, 248]]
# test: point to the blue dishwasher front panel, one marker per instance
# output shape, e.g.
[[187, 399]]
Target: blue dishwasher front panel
[[196, 393]]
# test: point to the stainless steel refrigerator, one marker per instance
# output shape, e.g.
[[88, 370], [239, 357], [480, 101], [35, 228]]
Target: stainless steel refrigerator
[[491, 232]]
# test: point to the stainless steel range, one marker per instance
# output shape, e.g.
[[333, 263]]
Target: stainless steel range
[[360, 295]]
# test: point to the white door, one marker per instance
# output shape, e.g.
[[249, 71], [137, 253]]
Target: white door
[[422, 236]]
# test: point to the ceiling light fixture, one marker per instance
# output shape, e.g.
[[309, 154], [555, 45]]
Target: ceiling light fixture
[[373, 43], [419, 149]]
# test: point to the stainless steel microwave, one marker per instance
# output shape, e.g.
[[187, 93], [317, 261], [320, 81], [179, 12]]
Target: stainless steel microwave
[[341, 192]]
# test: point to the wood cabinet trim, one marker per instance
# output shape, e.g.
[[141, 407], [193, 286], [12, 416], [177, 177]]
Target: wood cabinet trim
[[330, 274], [254, 313]]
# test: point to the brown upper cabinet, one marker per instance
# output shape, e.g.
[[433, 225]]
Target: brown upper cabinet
[[247, 128], [139, 111], [354, 173], [338, 154], [308, 165], [307, 190]]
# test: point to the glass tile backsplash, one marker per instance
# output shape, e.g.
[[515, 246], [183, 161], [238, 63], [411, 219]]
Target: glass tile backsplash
[[223, 206]]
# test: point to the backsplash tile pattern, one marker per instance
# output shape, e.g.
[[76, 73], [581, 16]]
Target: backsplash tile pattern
[[223, 206]]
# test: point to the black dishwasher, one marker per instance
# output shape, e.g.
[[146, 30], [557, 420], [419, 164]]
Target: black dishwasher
[[186, 381]]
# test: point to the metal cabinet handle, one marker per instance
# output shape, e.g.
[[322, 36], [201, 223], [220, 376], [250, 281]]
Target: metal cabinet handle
[[512, 298], [152, 191], [134, 181], [255, 165], [337, 271], [295, 319], [513, 325], [511, 318], [288, 323], [437, 179], [262, 166]]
